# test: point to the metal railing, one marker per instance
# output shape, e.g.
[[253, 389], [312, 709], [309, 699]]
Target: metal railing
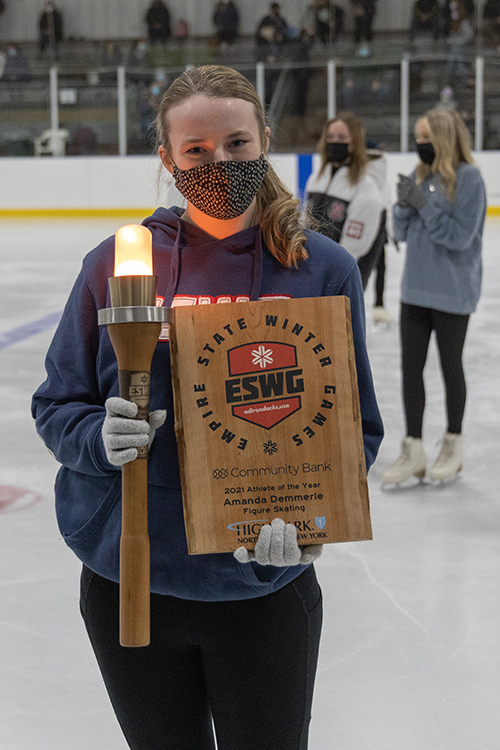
[[116, 95]]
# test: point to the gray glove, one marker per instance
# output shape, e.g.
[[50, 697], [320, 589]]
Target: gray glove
[[122, 434], [409, 194], [277, 545]]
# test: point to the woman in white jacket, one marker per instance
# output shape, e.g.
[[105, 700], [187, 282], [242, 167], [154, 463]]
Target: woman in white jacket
[[344, 197]]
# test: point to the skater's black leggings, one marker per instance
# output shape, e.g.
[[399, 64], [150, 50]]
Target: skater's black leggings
[[417, 324], [367, 262], [247, 665], [380, 279]]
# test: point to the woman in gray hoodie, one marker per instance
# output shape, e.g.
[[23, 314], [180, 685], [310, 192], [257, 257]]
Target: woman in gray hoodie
[[440, 215]]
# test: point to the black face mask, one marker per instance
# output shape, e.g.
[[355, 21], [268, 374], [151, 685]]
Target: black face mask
[[337, 152], [426, 152]]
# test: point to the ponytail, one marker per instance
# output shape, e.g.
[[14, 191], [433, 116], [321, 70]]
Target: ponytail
[[279, 217]]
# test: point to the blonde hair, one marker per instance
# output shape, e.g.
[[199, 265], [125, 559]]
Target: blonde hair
[[359, 157], [278, 212], [451, 141]]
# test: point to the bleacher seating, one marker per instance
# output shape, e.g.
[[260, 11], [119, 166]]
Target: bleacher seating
[[374, 95]]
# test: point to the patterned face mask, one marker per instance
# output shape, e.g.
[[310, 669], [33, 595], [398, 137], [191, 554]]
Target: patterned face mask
[[222, 189]]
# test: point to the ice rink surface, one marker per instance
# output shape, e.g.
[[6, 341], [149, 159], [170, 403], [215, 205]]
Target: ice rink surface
[[410, 656]]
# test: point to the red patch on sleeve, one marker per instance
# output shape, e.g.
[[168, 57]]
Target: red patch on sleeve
[[355, 229]]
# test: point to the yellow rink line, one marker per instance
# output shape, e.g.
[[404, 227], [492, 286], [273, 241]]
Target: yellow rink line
[[72, 213], [92, 213]]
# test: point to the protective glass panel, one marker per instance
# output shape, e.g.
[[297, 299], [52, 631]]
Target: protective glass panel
[[88, 109], [24, 112]]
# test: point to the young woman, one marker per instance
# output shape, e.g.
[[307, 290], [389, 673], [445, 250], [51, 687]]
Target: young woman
[[364, 13], [440, 214], [344, 196], [234, 638]]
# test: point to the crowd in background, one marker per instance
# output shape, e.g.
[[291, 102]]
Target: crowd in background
[[323, 22], [449, 26]]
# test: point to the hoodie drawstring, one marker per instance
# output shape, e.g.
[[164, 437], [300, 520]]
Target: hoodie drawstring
[[257, 268], [175, 268]]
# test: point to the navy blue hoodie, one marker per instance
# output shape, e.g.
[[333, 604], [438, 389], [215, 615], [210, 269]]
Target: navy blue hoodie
[[192, 268]]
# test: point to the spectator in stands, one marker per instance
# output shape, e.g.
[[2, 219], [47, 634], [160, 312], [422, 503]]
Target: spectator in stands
[[158, 22], [492, 22], [110, 58], [298, 50], [137, 57], [364, 13], [425, 17], [110, 54], [271, 35], [367, 85], [84, 142], [450, 11], [460, 40], [16, 65], [446, 99], [181, 31], [148, 103], [324, 21], [50, 28], [226, 21]]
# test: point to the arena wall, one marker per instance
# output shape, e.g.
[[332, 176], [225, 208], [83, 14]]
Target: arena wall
[[100, 186]]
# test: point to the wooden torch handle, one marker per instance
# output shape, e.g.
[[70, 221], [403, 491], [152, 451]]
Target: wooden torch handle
[[134, 556], [134, 345]]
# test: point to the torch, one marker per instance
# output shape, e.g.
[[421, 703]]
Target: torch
[[134, 324]]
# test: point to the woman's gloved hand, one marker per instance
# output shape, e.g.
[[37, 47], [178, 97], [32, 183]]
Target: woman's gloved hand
[[122, 434], [409, 194], [277, 545]]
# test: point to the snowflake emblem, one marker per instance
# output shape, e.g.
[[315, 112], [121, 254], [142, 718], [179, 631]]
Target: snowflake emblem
[[262, 356], [270, 447]]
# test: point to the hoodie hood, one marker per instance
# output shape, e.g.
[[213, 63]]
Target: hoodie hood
[[168, 222], [195, 254]]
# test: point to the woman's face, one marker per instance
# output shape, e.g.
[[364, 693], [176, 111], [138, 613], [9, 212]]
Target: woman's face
[[338, 132], [206, 129], [422, 131]]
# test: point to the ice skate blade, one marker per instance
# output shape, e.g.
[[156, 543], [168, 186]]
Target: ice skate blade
[[407, 484], [446, 480], [379, 327]]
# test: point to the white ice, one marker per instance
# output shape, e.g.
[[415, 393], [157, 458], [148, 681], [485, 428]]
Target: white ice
[[410, 656]]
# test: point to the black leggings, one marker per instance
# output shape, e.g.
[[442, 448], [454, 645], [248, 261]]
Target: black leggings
[[247, 665], [417, 324], [367, 262], [380, 279]]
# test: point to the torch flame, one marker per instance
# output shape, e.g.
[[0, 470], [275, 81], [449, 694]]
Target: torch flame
[[133, 251]]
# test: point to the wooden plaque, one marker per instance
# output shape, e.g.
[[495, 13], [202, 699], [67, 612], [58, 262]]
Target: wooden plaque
[[268, 422]]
